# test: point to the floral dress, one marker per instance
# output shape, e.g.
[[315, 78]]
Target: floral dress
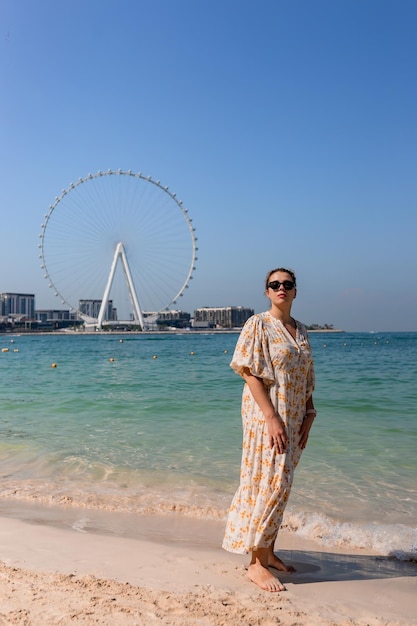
[[268, 350]]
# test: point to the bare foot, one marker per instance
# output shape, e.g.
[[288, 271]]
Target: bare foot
[[276, 563], [262, 577]]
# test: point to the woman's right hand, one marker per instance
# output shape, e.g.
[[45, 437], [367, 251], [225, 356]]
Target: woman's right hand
[[276, 427], [277, 433]]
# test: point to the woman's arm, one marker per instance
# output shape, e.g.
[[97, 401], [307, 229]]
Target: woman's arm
[[274, 423], [310, 414]]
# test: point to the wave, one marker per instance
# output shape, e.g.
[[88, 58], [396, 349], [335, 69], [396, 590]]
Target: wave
[[396, 540]]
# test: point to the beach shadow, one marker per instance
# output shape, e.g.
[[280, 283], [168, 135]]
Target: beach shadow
[[314, 567]]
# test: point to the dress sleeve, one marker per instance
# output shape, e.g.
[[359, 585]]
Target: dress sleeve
[[311, 380], [252, 352]]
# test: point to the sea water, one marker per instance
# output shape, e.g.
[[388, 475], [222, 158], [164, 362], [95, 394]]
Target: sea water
[[150, 423]]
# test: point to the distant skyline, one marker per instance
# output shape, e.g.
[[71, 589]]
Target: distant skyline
[[288, 129]]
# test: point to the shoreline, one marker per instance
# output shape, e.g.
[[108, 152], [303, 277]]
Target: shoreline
[[159, 570]]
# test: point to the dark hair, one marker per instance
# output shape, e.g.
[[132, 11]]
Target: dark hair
[[279, 269]]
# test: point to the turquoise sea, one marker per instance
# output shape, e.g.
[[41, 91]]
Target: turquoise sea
[[150, 423]]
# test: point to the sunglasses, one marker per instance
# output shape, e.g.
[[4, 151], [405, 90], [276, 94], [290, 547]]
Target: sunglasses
[[276, 284]]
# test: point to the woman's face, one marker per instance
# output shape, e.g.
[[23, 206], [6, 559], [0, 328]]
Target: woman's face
[[281, 288]]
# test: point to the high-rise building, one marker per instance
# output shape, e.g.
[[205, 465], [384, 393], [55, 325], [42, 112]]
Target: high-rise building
[[17, 305], [92, 309], [174, 318], [223, 317]]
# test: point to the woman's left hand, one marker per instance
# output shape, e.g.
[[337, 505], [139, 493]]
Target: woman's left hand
[[304, 430]]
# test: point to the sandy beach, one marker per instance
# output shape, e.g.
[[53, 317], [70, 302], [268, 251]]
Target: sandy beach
[[62, 565]]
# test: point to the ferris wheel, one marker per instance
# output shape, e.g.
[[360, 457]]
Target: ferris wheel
[[119, 240]]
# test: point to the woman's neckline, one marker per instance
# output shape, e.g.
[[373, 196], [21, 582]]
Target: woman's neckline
[[291, 322], [291, 328]]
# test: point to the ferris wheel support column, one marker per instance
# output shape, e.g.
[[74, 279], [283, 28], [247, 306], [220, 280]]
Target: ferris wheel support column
[[137, 313]]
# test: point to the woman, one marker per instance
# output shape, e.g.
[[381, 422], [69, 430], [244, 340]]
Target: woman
[[273, 356]]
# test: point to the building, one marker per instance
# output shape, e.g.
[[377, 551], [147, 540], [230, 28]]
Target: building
[[57, 318], [55, 315], [91, 308], [221, 317], [173, 318], [17, 305]]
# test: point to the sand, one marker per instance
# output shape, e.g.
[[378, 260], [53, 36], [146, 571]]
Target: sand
[[70, 566]]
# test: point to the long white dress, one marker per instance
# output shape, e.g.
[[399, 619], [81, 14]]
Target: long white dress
[[285, 365]]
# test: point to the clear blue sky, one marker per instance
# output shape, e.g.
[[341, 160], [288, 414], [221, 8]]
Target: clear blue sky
[[288, 129]]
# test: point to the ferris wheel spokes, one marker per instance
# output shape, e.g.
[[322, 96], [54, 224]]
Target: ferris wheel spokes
[[157, 247], [120, 253]]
